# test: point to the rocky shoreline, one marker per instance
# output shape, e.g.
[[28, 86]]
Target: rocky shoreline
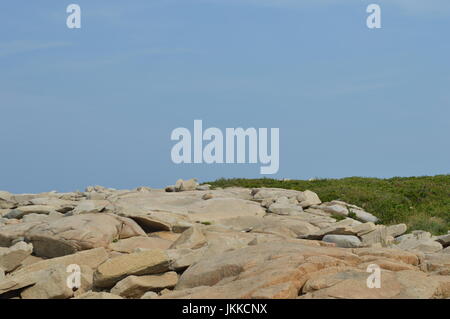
[[190, 241]]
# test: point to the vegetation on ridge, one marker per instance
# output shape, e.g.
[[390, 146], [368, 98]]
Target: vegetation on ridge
[[422, 203]]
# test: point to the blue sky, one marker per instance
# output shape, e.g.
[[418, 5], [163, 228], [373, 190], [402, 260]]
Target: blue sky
[[96, 106]]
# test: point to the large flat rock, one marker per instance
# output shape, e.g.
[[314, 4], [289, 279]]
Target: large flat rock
[[31, 274], [80, 232], [187, 204], [148, 262]]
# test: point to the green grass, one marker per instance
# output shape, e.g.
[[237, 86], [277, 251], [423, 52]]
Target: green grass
[[420, 202], [352, 215], [337, 217]]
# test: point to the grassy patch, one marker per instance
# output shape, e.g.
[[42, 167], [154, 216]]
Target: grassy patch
[[420, 202], [337, 217], [352, 215], [207, 223]]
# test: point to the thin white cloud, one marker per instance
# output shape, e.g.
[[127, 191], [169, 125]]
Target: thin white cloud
[[420, 7], [165, 51], [17, 47], [414, 7], [95, 61]]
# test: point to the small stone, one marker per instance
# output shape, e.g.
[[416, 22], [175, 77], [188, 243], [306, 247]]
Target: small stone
[[136, 286], [364, 216], [189, 185], [396, 230], [149, 295], [204, 187], [444, 240], [344, 241], [207, 196], [170, 189], [165, 292], [335, 209], [308, 198]]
